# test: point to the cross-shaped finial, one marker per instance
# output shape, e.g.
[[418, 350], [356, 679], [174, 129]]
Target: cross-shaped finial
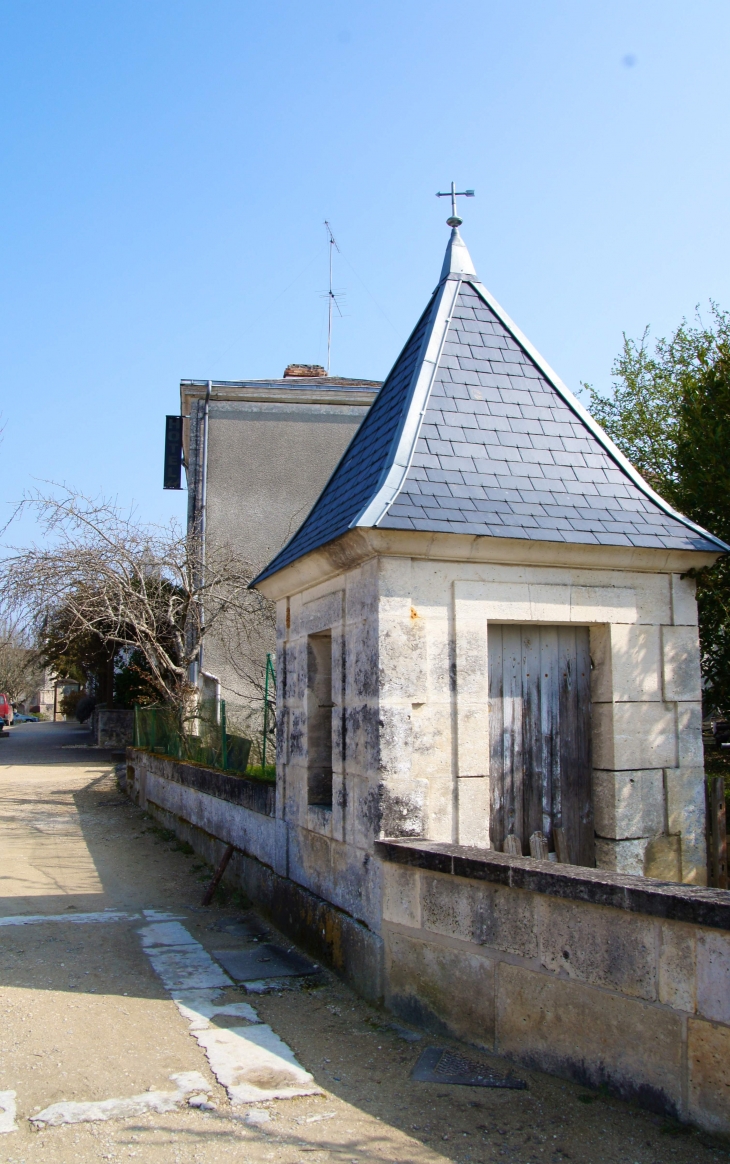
[[453, 194]]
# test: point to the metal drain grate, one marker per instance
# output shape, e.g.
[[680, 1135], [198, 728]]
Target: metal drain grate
[[437, 1065]]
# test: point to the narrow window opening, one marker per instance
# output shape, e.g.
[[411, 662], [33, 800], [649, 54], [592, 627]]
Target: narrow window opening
[[319, 719]]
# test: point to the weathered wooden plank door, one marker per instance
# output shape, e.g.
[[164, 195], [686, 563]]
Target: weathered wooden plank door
[[540, 735]]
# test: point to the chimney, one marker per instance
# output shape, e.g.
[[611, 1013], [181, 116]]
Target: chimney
[[302, 371]]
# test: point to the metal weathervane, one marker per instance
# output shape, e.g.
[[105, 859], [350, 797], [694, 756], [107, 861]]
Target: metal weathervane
[[453, 194]]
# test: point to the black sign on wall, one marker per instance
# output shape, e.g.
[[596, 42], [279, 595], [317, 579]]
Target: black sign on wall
[[173, 452]]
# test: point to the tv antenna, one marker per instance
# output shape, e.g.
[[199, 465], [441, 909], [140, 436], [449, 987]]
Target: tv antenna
[[331, 296], [453, 194]]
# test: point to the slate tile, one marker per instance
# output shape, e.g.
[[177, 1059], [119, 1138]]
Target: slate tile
[[486, 506], [518, 469], [541, 495], [583, 473], [521, 507], [488, 480], [474, 492], [643, 540], [522, 424], [537, 456], [555, 428], [513, 411], [466, 464], [563, 473], [552, 443], [494, 380], [423, 458], [439, 447], [465, 504], [447, 432], [530, 412], [492, 341], [514, 531], [583, 488], [560, 523], [515, 439], [577, 446], [494, 423], [446, 475], [598, 461], [505, 492], [435, 489], [587, 524]]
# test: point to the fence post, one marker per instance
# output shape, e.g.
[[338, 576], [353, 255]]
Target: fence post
[[135, 736], [719, 832], [224, 737]]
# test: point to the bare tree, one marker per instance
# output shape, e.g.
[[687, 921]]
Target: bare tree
[[100, 572], [20, 671]]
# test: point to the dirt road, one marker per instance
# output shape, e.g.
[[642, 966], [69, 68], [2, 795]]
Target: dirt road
[[91, 891]]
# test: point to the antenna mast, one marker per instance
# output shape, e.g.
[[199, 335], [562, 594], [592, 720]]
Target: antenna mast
[[331, 297]]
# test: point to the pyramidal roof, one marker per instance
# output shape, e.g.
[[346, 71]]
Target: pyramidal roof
[[473, 433]]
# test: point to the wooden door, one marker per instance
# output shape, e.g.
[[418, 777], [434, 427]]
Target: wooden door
[[540, 735]]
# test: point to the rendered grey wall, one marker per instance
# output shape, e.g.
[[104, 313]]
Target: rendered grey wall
[[267, 464]]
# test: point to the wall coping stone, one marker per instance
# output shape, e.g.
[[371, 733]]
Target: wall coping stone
[[256, 795], [664, 899]]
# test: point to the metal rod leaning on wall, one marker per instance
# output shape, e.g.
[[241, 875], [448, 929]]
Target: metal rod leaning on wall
[[224, 738], [269, 672], [718, 826], [208, 895]]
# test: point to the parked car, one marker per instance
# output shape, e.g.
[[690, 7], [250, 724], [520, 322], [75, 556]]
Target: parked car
[[6, 710], [21, 717]]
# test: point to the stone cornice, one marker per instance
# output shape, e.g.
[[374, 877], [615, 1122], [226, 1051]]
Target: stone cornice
[[358, 545], [663, 899]]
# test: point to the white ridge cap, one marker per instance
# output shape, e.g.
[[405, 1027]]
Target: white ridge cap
[[457, 260]]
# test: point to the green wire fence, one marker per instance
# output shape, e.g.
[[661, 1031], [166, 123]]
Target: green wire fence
[[204, 739]]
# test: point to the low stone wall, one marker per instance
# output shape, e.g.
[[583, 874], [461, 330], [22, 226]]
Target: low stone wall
[[210, 810], [228, 809], [599, 977], [593, 976]]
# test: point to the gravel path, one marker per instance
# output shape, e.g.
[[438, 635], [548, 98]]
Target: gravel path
[[84, 1018]]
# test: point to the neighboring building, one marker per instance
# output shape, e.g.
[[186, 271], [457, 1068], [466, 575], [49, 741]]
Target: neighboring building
[[271, 446], [45, 700]]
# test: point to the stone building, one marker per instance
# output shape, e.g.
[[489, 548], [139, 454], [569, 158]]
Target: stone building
[[486, 633], [485, 626], [257, 453]]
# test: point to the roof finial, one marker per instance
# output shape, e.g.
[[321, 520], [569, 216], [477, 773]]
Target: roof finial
[[453, 194]]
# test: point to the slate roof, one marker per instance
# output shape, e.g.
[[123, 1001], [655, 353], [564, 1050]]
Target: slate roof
[[472, 433]]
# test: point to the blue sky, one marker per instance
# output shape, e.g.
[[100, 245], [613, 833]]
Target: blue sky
[[167, 167]]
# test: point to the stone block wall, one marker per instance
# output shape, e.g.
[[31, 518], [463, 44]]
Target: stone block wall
[[410, 718], [596, 977], [112, 727]]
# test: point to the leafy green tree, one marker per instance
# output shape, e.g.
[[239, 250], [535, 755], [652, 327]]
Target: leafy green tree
[[669, 412]]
